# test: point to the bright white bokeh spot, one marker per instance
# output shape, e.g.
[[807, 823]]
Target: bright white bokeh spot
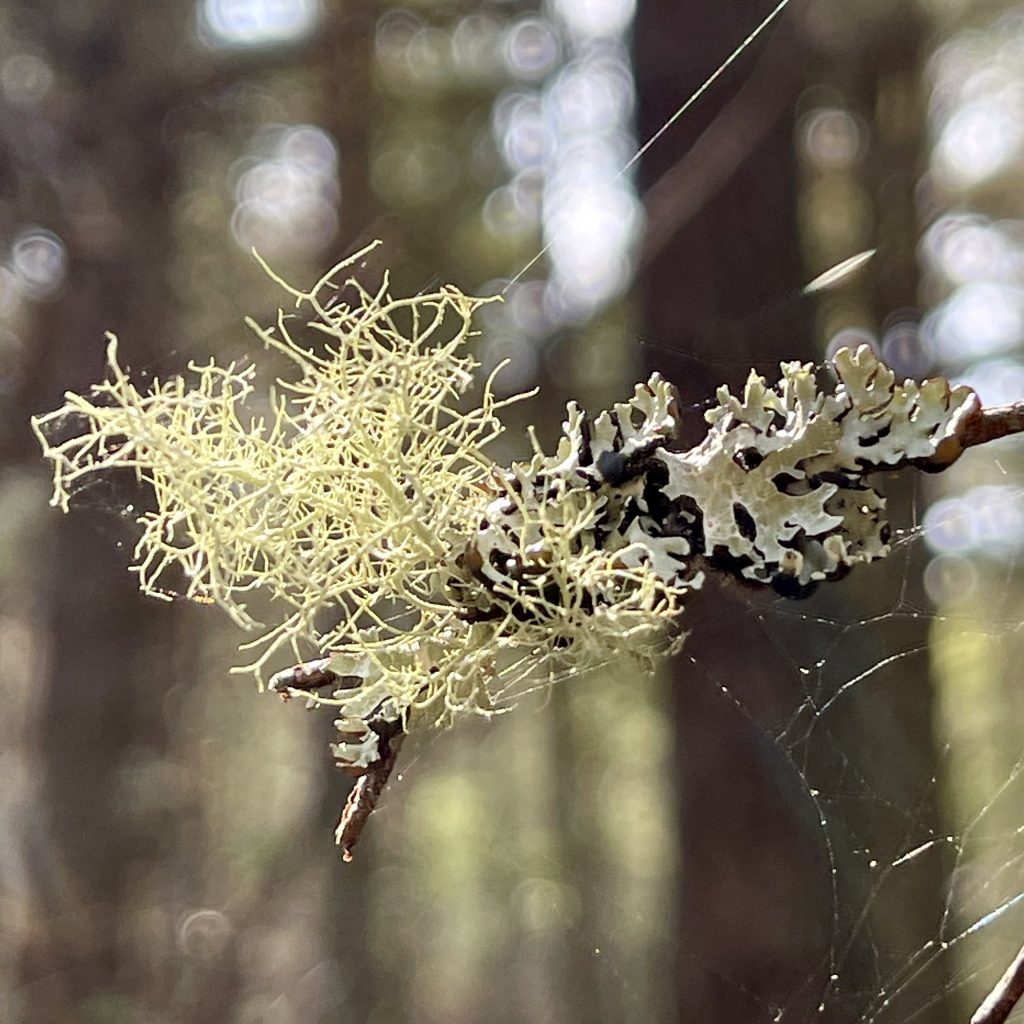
[[287, 192], [526, 308], [531, 49], [980, 319], [503, 216], [979, 141], [595, 18], [527, 189], [831, 138], [39, 262], [965, 246], [310, 148], [593, 228], [514, 210], [429, 58], [475, 44], [594, 94], [987, 520], [524, 135], [256, 23]]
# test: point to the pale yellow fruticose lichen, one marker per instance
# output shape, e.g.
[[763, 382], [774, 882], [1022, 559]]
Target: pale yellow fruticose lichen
[[348, 502]]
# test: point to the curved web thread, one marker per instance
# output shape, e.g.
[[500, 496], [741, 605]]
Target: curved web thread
[[975, 859]]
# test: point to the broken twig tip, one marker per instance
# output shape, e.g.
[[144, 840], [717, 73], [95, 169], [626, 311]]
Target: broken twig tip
[[364, 796]]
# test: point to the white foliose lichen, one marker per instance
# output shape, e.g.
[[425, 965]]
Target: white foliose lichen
[[781, 480]]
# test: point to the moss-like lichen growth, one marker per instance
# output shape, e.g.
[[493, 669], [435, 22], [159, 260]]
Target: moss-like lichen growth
[[357, 498]]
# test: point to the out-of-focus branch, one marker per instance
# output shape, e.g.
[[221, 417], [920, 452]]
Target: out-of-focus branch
[[1000, 421], [999, 1003]]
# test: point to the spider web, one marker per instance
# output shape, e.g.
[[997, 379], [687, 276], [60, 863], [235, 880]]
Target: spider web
[[936, 841], [934, 833]]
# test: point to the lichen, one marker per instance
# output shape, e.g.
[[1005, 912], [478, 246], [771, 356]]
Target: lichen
[[355, 499], [782, 479], [364, 498]]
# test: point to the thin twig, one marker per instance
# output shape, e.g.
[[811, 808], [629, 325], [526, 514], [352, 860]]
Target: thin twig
[[365, 794], [1000, 421], [301, 680], [980, 427], [999, 1003], [310, 675]]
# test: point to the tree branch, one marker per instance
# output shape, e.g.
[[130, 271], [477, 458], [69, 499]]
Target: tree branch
[[982, 426], [1000, 421], [999, 1003], [364, 796]]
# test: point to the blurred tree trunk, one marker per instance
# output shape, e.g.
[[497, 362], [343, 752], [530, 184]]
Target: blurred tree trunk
[[96, 169], [757, 920]]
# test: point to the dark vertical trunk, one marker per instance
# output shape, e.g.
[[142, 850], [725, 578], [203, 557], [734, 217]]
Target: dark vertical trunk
[[760, 924], [95, 849], [755, 875]]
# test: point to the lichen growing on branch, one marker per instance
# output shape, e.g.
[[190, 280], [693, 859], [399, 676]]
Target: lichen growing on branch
[[352, 500], [363, 508]]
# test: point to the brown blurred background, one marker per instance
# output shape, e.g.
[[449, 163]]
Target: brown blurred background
[[814, 814]]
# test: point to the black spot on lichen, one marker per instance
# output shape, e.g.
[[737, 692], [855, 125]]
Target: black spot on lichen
[[748, 459], [613, 467], [744, 522]]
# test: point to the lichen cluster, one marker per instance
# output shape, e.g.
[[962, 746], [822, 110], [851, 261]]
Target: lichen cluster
[[782, 480], [571, 543], [353, 499], [362, 507]]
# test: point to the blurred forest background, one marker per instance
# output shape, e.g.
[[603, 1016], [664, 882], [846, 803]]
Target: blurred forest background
[[804, 817]]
